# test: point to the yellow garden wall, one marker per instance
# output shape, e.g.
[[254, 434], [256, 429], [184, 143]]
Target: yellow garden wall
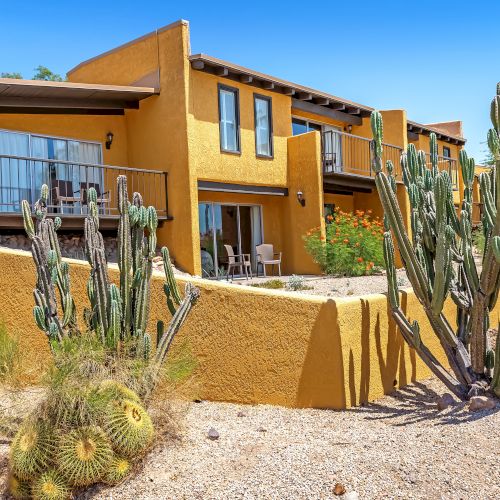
[[260, 346]]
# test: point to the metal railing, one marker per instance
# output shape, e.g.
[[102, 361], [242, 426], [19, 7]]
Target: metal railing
[[21, 178], [448, 164], [347, 153]]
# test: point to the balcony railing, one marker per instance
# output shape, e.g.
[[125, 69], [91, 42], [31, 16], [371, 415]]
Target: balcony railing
[[347, 153], [21, 178], [448, 164]]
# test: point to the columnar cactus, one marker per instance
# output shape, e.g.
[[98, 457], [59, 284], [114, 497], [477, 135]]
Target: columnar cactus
[[439, 259], [117, 315]]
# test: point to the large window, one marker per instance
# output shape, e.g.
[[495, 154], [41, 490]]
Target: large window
[[229, 119], [302, 126], [446, 152], [22, 178], [263, 126]]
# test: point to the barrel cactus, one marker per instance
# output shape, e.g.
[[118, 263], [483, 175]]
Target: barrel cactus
[[439, 262], [50, 486]]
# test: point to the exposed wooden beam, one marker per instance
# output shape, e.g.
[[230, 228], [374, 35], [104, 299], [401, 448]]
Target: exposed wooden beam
[[322, 101], [324, 111], [304, 96], [246, 78], [288, 91], [338, 106], [51, 102], [412, 136], [268, 85], [197, 64], [221, 71], [353, 111]]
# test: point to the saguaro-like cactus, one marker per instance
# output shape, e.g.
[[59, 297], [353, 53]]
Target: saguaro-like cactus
[[439, 261], [117, 315]]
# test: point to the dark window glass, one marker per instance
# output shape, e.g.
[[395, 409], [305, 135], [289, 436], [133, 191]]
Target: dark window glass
[[446, 152], [263, 126], [228, 112], [298, 126]]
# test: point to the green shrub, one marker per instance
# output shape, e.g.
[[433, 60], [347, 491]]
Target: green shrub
[[274, 284], [352, 246], [9, 355], [478, 239]]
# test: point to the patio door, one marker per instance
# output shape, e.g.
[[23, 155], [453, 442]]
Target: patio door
[[332, 148], [225, 228]]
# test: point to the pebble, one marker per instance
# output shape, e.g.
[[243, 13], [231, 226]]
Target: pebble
[[213, 434]]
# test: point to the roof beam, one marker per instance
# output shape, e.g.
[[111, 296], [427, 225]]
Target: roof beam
[[338, 106], [322, 101], [324, 111], [221, 71], [288, 91], [197, 64], [268, 85], [304, 96], [353, 111], [412, 136], [246, 78]]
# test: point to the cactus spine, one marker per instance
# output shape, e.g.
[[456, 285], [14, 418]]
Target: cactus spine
[[439, 260]]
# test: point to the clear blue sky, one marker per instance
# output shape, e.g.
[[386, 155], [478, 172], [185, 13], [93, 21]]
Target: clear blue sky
[[440, 60]]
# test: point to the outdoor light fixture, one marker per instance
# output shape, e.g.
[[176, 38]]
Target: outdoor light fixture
[[300, 198], [109, 141], [349, 128]]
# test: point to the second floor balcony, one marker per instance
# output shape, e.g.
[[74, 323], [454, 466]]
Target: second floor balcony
[[22, 177], [349, 154]]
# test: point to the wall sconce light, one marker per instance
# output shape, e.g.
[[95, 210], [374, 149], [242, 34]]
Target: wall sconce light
[[300, 198], [349, 128], [109, 141]]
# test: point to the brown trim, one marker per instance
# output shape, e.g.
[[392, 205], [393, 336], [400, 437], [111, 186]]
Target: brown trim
[[270, 120], [418, 128], [241, 188], [221, 86]]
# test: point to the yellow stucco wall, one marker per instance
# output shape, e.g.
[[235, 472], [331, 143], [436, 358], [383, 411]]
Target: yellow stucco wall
[[258, 346]]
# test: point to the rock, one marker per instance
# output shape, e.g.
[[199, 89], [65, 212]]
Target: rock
[[213, 434], [338, 489], [352, 495], [261, 429], [241, 414], [444, 401], [478, 403]]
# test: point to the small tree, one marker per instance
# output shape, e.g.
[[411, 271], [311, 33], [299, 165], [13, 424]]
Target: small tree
[[14, 75], [44, 73]]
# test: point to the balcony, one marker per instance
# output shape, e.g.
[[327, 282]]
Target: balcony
[[21, 178], [352, 155]]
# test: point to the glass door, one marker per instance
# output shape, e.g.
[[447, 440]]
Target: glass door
[[226, 230], [332, 148]]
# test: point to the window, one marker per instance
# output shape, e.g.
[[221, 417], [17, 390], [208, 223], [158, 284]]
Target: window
[[303, 126], [263, 126], [229, 119], [446, 152]]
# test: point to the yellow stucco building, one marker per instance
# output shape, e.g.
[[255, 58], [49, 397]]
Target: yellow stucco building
[[228, 156]]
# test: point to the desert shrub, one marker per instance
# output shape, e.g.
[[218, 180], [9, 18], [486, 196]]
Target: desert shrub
[[352, 245], [478, 239], [274, 284], [9, 356]]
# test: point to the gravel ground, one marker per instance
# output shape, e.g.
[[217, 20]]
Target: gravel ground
[[397, 447], [333, 287]]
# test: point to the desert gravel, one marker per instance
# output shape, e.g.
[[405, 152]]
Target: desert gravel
[[397, 447]]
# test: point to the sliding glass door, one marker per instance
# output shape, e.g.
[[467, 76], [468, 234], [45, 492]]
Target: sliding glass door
[[227, 229]]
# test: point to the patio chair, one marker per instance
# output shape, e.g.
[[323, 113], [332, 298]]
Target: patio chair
[[267, 256], [62, 192], [103, 199], [240, 260]]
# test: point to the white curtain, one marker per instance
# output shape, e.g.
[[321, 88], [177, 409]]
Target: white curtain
[[15, 181], [256, 224]]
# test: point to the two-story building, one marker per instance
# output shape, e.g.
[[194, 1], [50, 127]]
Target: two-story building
[[228, 155]]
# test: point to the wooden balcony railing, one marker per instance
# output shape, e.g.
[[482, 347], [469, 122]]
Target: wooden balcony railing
[[21, 178], [347, 153]]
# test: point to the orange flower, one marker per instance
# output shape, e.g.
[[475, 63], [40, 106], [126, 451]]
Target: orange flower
[[346, 241], [357, 244], [371, 264], [355, 224], [369, 211], [374, 233], [360, 259], [329, 217], [322, 238]]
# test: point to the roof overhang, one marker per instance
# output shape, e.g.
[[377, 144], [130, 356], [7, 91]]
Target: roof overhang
[[218, 67], [226, 187], [37, 96], [415, 129]]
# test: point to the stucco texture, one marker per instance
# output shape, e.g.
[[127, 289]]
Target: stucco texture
[[259, 346]]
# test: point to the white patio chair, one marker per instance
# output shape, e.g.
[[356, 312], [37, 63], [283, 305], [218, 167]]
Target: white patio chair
[[267, 256], [240, 260]]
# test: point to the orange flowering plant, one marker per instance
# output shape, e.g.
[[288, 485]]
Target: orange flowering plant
[[352, 246]]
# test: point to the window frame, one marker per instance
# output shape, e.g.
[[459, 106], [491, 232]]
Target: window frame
[[236, 93], [448, 150], [270, 124]]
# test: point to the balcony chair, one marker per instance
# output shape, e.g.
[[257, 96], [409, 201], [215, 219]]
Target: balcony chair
[[62, 192], [103, 199], [240, 260], [267, 256]]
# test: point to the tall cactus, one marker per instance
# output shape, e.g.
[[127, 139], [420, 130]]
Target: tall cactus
[[117, 315], [439, 258]]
